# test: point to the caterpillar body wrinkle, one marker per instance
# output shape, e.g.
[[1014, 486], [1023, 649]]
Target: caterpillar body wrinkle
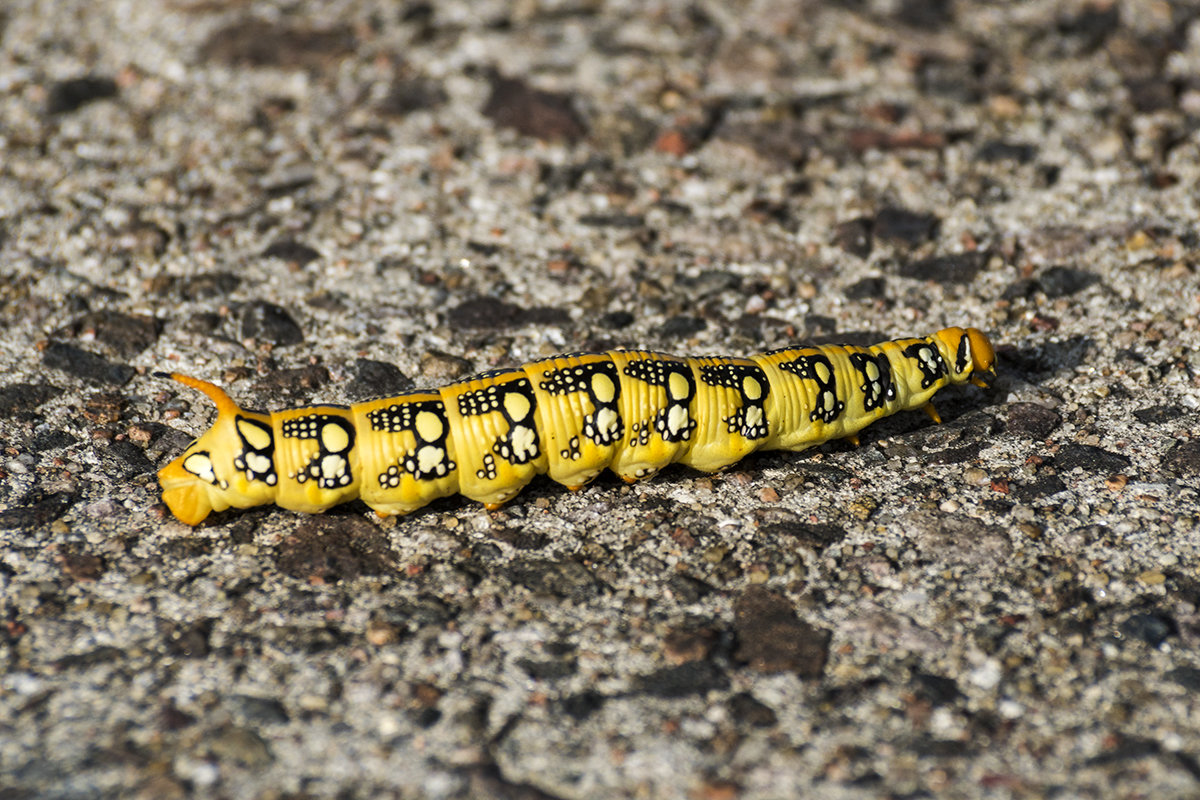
[[570, 416]]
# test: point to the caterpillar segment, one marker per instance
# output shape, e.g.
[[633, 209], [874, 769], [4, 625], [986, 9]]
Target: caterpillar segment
[[569, 417]]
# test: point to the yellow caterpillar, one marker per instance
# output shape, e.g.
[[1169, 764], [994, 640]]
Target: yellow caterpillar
[[569, 416]]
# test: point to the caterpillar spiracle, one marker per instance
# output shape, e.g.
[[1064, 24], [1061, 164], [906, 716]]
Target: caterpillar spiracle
[[569, 416]]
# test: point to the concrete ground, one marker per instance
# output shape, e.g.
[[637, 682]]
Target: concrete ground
[[325, 201]]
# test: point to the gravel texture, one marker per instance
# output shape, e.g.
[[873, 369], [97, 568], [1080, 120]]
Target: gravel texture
[[325, 201]]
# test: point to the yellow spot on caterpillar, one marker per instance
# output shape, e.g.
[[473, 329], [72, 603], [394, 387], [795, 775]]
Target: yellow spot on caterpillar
[[603, 388], [822, 371], [751, 388], [872, 370], [200, 465], [334, 438], [429, 426], [517, 405], [606, 421], [677, 386], [256, 436]]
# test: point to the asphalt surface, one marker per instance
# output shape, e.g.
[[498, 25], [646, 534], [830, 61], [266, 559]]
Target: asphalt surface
[[327, 201]]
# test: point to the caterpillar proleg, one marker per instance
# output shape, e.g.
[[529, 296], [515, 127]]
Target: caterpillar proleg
[[570, 416]]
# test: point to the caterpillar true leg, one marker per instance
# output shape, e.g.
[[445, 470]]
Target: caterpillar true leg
[[570, 417]]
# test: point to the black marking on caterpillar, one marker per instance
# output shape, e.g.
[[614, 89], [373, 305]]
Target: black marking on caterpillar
[[877, 386], [569, 416], [673, 422], [330, 466], [817, 367], [603, 425], [751, 383], [256, 458], [929, 361], [426, 419]]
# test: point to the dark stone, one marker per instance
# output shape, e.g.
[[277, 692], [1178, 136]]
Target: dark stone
[[189, 639], [959, 268], [681, 326], [18, 399], [1032, 420], [581, 706], [854, 236], [81, 566], [520, 538], [120, 335], [84, 365], [744, 709], [612, 220], [689, 678], [291, 251], [296, 381], [1006, 151], [1157, 415], [66, 96], [489, 314], [777, 524], [376, 379], [686, 589], [905, 228], [936, 689], [122, 459], [532, 112], [1022, 288], [332, 549], [616, 320], [261, 43], [1152, 94], [412, 94], [1183, 458], [257, 710], [771, 638], [548, 670], [51, 440], [208, 284], [1187, 677], [1065, 281], [568, 580], [1089, 459], [925, 15], [1042, 486], [267, 323], [1153, 629], [868, 289], [1092, 26]]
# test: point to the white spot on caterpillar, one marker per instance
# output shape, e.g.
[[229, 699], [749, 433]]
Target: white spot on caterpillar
[[200, 465], [524, 441], [677, 419]]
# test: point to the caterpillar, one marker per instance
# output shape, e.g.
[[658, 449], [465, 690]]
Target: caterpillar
[[570, 416]]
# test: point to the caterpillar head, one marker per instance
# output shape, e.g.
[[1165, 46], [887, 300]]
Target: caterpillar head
[[231, 464], [968, 352]]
